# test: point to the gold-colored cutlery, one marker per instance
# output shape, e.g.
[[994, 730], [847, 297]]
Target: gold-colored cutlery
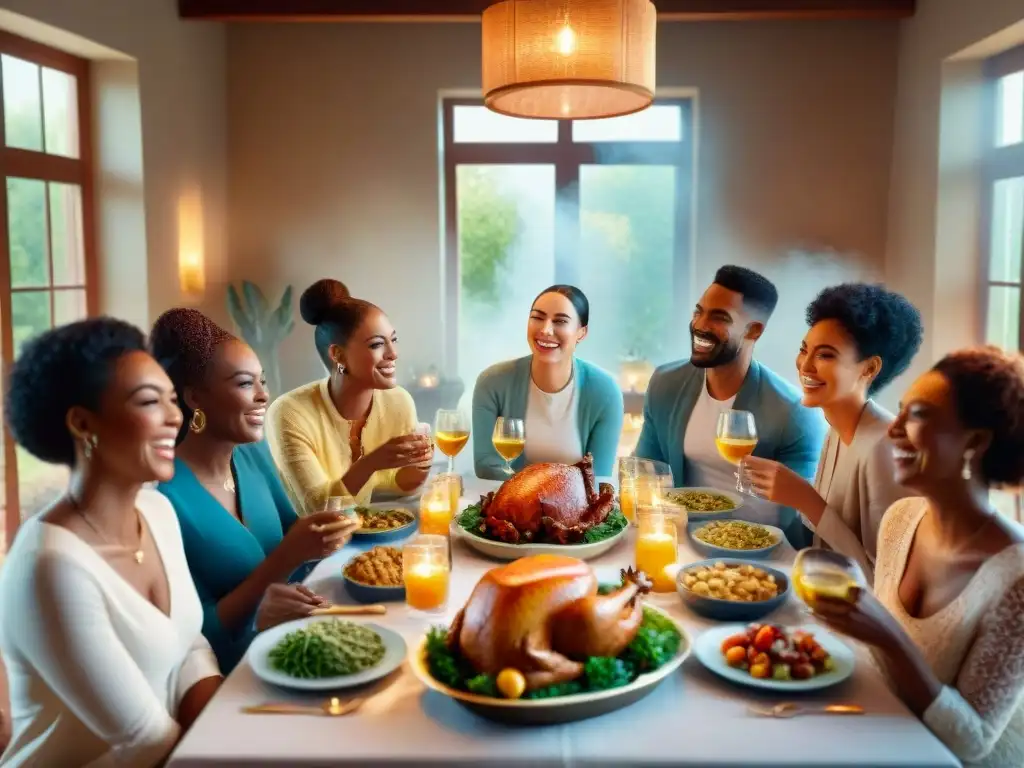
[[350, 610], [790, 709], [333, 707]]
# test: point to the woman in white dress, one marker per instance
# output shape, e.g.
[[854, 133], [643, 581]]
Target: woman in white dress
[[947, 619], [101, 629], [861, 337]]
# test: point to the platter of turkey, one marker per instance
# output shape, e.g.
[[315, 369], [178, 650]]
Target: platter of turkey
[[545, 509], [540, 641]]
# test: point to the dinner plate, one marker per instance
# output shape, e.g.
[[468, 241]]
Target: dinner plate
[[501, 550], [708, 650], [560, 709], [711, 551], [695, 516], [258, 657]]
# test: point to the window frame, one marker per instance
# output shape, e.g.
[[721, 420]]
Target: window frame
[[997, 163], [30, 164], [567, 157]]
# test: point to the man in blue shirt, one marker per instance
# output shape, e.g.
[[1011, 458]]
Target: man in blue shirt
[[685, 398]]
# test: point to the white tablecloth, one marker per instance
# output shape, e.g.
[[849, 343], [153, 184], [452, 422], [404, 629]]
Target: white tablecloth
[[692, 719]]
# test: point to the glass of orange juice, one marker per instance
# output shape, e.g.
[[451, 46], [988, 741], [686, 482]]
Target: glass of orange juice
[[509, 440], [819, 573], [735, 438], [657, 546], [451, 433], [426, 571]]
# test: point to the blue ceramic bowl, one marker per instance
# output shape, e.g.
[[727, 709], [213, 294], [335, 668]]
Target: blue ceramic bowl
[[719, 553], [367, 593], [730, 610], [364, 537]]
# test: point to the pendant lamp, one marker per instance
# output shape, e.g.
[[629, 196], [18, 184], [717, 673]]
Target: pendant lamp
[[576, 59]]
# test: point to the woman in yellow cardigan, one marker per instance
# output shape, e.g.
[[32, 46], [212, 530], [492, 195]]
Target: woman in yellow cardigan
[[354, 431]]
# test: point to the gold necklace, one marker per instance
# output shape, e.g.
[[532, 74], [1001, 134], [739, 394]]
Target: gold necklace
[[139, 555]]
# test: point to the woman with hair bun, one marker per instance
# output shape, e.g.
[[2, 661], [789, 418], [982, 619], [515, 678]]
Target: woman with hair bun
[[569, 407], [946, 620], [353, 432], [242, 536]]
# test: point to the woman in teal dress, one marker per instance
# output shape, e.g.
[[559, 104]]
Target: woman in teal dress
[[242, 538]]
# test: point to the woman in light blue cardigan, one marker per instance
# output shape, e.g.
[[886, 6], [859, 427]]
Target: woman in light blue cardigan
[[570, 407]]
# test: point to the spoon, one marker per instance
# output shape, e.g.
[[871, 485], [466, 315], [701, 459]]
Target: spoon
[[791, 709], [333, 707]]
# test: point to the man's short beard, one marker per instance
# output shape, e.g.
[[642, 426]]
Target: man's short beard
[[724, 355]]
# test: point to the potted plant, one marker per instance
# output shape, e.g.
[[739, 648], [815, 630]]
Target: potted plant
[[261, 327]]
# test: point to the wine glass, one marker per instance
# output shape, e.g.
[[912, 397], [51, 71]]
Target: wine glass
[[735, 438], [509, 439], [451, 433], [823, 573]]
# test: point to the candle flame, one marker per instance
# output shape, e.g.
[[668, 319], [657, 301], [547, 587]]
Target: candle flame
[[565, 41]]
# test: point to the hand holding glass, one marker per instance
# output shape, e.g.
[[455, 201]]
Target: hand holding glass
[[451, 433], [735, 438], [509, 439], [822, 573]]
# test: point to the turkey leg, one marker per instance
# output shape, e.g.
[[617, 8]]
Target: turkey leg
[[550, 667]]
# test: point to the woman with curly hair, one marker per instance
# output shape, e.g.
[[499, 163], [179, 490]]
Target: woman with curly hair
[[861, 337], [946, 621], [102, 642], [355, 431], [242, 537]]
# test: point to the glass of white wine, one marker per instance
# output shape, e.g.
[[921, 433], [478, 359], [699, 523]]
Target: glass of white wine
[[509, 439], [736, 438], [451, 433]]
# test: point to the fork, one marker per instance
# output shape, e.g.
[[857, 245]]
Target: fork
[[333, 707], [790, 709]]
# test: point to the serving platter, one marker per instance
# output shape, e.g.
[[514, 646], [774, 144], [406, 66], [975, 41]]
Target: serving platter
[[560, 709], [708, 650], [258, 657], [501, 550]]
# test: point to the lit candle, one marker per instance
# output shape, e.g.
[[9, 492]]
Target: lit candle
[[426, 572], [657, 547], [627, 499], [436, 510]]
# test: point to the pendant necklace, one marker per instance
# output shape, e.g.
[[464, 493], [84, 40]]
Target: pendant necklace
[[138, 555]]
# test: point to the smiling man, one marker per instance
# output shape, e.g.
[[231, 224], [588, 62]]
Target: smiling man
[[685, 398]]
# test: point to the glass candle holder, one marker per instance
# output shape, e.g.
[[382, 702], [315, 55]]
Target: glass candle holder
[[426, 571], [453, 482], [657, 546], [627, 499], [436, 510]]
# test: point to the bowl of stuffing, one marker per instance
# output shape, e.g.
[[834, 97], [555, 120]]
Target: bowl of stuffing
[[375, 576], [729, 589], [736, 538]]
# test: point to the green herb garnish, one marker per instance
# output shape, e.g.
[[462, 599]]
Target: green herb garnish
[[472, 521]]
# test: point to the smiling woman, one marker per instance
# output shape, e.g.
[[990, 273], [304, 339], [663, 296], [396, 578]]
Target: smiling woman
[[570, 407], [354, 431], [240, 531]]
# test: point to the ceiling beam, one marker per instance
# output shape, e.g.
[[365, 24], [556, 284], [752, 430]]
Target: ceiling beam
[[470, 10]]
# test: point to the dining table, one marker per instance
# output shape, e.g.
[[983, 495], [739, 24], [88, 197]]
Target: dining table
[[692, 718]]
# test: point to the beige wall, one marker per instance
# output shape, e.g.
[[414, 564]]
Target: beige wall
[[333, 158], [932, 252], [180, 87]]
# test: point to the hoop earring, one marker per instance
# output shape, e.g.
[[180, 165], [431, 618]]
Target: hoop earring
[[966, 473], [198, 422], [89, 443]]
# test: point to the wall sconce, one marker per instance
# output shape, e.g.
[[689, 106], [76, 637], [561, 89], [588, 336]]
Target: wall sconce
[[191, 261]]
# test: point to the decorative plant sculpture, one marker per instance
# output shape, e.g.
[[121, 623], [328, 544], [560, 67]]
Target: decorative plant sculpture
[[262, 329]]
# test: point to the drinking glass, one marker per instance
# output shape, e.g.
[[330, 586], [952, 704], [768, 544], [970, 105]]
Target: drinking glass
[[641, 482], [735, 438], [657, 546], [509, 439], [451, 433], [426, 571], [436, 509], [823, 573]]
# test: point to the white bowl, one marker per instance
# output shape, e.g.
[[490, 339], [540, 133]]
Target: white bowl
[[501, 550], [695, 516]]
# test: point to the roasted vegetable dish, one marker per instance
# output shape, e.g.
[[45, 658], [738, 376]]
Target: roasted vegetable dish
[[329, 648], [380, 567], [767, 650], [735, 534]]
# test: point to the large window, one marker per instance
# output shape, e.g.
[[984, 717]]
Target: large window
[[1004, 198], [604, 205], [47, 277]]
